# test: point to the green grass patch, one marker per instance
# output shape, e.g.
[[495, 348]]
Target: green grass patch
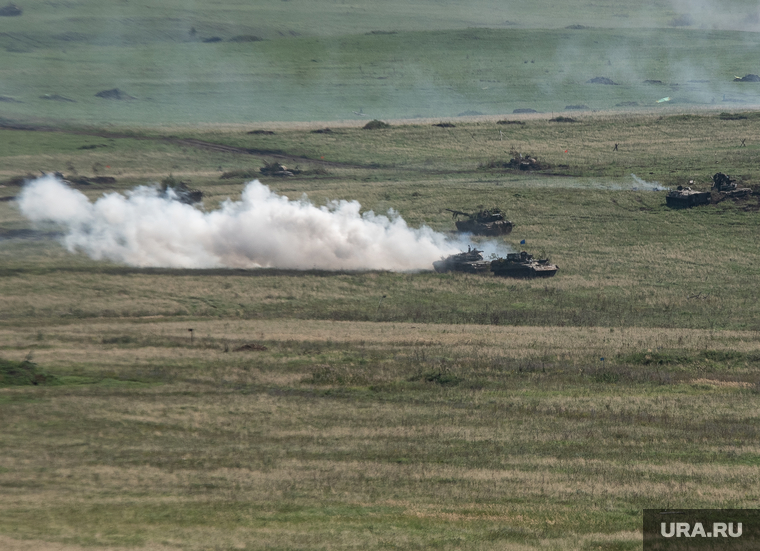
[[430, 70], [24, 373]]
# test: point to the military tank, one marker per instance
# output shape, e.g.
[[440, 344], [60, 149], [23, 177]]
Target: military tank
[[181, 192], [523, 264], [727, 186], [470, 262], [685, 197], [489, 222]]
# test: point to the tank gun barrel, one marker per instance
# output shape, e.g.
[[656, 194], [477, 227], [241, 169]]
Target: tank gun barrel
[[456, 213]]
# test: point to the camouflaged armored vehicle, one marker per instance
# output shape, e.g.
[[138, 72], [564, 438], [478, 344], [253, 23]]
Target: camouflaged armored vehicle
[[484, 222], [470, 262], [181, 192], [685, 197], [276, 169], [523, 264], [727, 186]]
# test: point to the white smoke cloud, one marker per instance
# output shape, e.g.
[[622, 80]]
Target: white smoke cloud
[[263, 229], [648, 186], [719, 14]]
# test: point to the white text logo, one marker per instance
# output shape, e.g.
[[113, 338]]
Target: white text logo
[[685, 530]]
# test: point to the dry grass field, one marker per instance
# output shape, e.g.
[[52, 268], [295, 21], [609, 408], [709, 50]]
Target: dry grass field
[[154, 405], [371, 435], [388, 410]]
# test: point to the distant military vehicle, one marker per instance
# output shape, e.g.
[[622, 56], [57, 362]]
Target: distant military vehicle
[[276, 169], [483, 222], [685, 197], [181, 192], [727, 186], [470, 262], [523, 264]]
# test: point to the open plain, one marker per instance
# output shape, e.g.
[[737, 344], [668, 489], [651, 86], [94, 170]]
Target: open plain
[[374, 409]]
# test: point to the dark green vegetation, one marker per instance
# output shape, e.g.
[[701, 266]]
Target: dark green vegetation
[[23, 373]]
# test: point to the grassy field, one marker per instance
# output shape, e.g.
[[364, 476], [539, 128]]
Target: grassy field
[[409, 74], [220, 409], [378, 410], [366, 435], [268, 62]]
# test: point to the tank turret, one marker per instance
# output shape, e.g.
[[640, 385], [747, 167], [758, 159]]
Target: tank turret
[[470, 262], [489, 222]]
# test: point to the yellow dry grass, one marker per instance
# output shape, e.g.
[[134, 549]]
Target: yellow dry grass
[[507, 340], [11, 544]]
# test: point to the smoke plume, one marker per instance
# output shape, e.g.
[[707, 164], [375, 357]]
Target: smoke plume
[[263, 229], [648, 186]]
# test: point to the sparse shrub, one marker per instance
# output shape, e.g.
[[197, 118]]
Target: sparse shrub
[[732, 116], [723, 355], [607, 377], [376, 125], [685, 118], [244, 174], [121, 339], [24, 373], [441, 377], [245, 38]]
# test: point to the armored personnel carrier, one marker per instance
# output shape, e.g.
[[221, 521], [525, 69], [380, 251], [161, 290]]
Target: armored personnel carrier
[[523, 264], [727, 186], [484, 222], [685, 197], [470, 262]]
